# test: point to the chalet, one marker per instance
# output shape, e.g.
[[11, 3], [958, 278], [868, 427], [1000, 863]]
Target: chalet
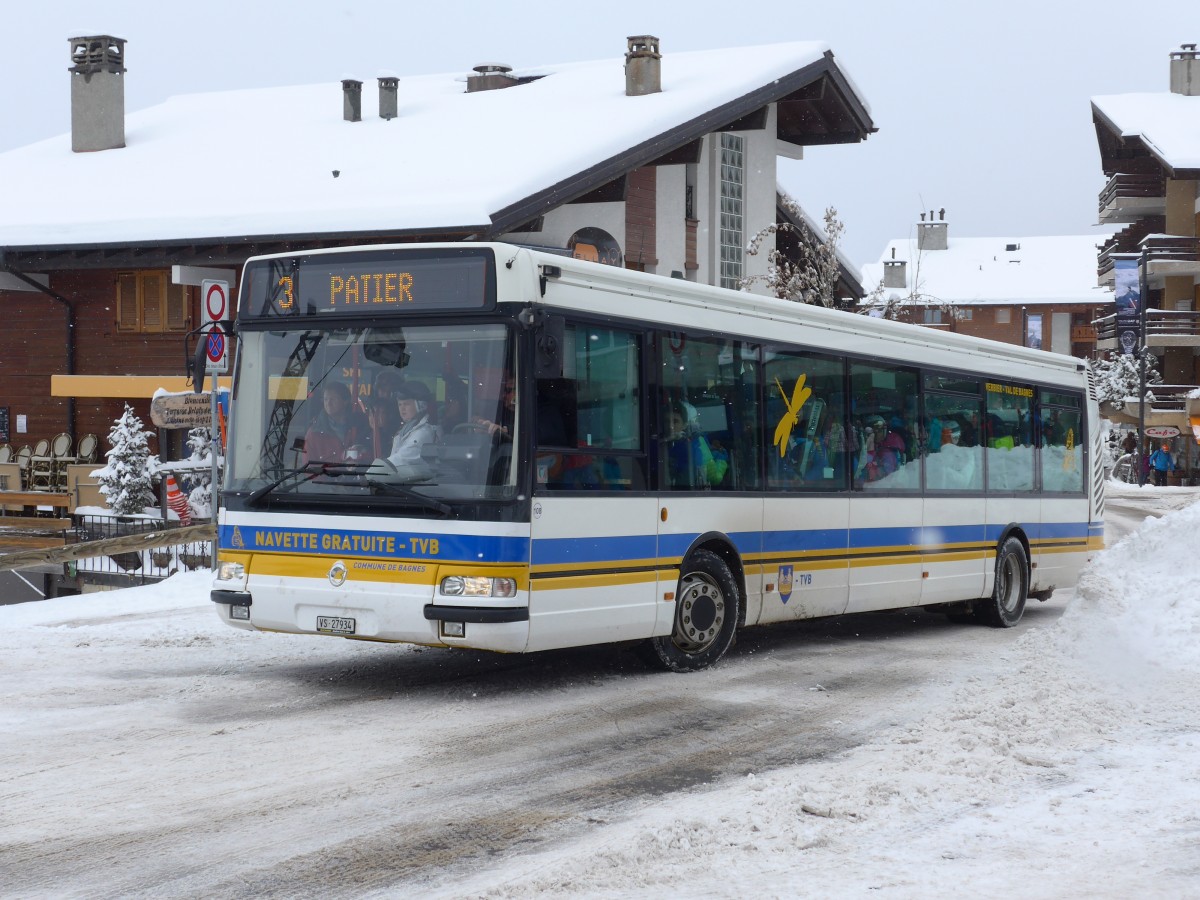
[[660, 162], [1032, 291], [1150, 151]]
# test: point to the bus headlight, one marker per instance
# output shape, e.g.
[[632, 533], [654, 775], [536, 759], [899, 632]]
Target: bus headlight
[[231, 571], [478, 586]]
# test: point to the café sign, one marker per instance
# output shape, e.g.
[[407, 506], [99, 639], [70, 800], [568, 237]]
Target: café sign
[[186, 410]]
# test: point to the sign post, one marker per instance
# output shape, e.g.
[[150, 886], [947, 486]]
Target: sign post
[[214, 296]]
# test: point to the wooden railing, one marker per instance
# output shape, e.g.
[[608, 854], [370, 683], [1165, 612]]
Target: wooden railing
[[1122, 186], [1159, 323], [165, 537], [1171, 248]]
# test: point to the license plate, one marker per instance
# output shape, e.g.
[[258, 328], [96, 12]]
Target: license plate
[[335, 625]]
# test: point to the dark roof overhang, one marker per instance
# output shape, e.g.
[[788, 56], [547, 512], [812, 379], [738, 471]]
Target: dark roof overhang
[[1132, 154], [225, 251]]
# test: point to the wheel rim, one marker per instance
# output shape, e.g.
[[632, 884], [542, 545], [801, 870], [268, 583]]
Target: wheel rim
[[1008, 586], [701, 613]]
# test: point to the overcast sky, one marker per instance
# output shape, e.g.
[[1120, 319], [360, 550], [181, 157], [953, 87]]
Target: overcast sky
[[982, 108]]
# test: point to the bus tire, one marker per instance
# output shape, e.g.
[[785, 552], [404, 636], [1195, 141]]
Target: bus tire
[[706, 616], [1011, 588]]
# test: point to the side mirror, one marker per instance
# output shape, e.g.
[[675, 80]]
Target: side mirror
[[548, 347], [196, 369]]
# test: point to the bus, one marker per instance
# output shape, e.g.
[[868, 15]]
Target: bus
[[609, 456]]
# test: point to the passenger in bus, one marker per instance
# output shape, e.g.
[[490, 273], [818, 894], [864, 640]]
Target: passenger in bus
[[454, 409], [882, 450], [338, 427], [415, 405], [387, 382], [502, 428], [690, 460], [385, 422]]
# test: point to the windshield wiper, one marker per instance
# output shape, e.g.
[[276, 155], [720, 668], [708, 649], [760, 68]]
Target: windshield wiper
[[391, 487], [310, 469]]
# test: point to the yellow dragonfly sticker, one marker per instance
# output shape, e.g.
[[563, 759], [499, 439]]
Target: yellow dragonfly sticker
[[783, 431]]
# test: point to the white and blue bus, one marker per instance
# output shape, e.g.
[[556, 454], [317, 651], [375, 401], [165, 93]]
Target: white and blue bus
[[492, 447]]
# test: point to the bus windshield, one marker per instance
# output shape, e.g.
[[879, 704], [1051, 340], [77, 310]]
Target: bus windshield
[[416, 415]]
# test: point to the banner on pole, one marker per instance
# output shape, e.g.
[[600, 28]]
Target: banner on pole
[[1129, 305]]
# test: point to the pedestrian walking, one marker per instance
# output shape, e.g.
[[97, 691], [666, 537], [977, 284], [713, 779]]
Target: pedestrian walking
[[1161, 463]]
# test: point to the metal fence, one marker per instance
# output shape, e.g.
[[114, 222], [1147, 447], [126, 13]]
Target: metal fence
[[132, 567]]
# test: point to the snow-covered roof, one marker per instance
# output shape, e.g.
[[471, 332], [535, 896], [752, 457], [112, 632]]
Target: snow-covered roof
[[977, 271], [282, 161], [1168, 124]]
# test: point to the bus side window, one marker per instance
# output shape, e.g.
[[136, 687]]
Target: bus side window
[[711, 386], [804, 422], [884, 452], [588, 428]]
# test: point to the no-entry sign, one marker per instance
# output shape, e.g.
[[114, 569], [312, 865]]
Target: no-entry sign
[[214, 296]]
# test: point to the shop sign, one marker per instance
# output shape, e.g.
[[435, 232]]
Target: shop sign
[[1162, 431]]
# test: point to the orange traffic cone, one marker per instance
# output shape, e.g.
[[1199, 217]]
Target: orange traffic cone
[[177, 502]]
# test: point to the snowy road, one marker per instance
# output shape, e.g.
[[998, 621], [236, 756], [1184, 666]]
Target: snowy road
[[150, 751], [155, 751]]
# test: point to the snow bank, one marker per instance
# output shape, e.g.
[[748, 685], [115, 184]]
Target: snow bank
[[1138, 604]]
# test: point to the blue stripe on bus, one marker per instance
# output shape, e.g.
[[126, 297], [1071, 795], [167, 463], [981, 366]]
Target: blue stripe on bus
[[1050, 530], [556, 551], [435, 546]]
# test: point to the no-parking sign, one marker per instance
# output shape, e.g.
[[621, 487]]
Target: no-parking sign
[[214, 300]]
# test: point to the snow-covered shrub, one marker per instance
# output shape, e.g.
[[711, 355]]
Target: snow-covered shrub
[[125, 481], [1117, 378]]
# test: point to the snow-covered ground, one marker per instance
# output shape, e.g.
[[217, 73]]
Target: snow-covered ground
[[1065, 765]]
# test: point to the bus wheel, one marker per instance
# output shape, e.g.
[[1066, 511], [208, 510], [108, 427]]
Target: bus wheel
[[1011, 590], [706, 616]]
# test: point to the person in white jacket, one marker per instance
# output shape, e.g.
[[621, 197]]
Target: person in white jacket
[[415, 404]]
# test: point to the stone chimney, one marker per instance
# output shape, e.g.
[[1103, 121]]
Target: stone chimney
[[97, 93], [490, 77], [895, 272], [387, 96], [933, 235], [351, 100], [1185, 71], [643, 66]]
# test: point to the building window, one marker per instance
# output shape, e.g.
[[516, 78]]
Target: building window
[[1003, 316], [733, 181], [966, 315], [148, 303], [933, 316], [1033, 331]]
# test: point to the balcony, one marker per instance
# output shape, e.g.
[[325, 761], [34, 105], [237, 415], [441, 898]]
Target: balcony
[[1127, 198], [1126, 242], [1168, 404], [1169, 255], [1164, 328]]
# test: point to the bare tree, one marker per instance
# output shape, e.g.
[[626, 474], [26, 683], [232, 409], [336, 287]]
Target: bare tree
[[891, 303], [814, 277]]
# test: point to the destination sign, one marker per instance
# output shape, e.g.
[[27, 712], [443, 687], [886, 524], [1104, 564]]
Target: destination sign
[[385, 282]]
